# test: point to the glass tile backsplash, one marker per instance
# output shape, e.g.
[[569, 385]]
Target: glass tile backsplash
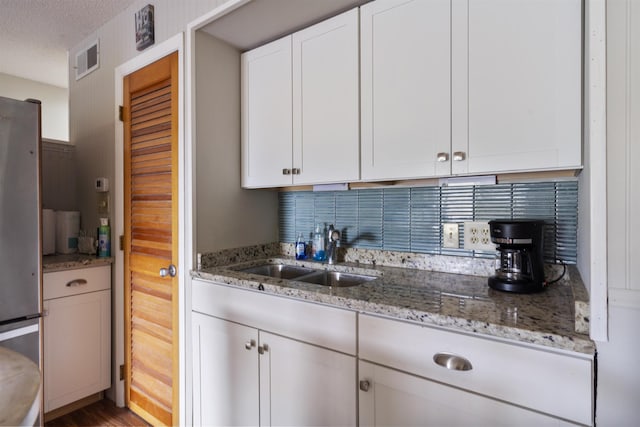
[[410, 219]]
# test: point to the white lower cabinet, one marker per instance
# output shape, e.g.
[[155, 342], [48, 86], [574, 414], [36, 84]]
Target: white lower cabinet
[[503, 383], [394, 398], [77, 334], [246, 375]]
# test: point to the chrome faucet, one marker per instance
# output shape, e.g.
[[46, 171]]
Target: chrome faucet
[[333, 243]]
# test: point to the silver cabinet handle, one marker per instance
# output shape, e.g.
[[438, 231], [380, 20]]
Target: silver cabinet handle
[[364, 385], [249, 344], [295, 171], [286, 171], [76, 282], [442, 157], [263, 349], [459, 156], [168, 271], [452, 362]]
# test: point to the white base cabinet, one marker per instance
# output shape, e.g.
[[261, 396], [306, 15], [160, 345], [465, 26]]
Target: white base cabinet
[[393, 398], [77, 334], [559, 385], [251, 374]]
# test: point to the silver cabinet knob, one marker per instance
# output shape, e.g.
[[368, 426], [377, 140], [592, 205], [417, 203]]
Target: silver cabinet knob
[[286, 171], [442, 157], [168, 271], [459, 156], [364, 385], [249, 344], [452, 362], [263, 349], [295, 171]]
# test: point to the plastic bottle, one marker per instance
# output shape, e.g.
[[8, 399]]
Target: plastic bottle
[[318, 244], [301, 247], [104, 238]]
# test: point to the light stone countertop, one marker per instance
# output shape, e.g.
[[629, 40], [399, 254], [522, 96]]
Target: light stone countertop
[[19, 389], [456, 301], [61, 262]]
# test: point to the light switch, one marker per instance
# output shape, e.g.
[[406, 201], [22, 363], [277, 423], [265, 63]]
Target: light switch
[[450, 236]]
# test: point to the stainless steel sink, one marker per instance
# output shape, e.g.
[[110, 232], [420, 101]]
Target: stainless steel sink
[[281, 271], [336, 279]]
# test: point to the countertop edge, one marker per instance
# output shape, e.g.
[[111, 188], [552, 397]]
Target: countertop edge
[[572, 343]]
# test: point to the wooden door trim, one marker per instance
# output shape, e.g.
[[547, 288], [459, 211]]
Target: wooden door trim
[[173, 44]]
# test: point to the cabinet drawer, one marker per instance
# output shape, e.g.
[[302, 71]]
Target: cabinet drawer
[[518, 374], [60, 284], [313, 323]]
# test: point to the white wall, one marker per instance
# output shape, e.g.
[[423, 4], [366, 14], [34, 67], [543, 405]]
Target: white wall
[[226, 215], [55, 103], [618, 372], [92, 98]]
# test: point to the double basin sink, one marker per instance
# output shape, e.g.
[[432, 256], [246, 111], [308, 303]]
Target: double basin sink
[[309, 275]]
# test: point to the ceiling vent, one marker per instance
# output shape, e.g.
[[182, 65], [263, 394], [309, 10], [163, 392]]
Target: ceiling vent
[[87, 60]]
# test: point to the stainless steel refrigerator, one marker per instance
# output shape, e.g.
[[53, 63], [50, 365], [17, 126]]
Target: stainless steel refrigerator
[[20, 228]]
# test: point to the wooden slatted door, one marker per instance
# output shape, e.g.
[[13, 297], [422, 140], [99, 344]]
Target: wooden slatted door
[[151, 240]]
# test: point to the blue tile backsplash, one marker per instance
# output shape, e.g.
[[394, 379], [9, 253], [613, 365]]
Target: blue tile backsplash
[[410, 219]]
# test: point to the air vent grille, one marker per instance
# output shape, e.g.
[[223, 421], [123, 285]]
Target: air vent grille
[[87, 60]]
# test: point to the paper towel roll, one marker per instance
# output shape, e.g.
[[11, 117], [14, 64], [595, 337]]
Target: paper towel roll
[[48, 231], [67, 229]]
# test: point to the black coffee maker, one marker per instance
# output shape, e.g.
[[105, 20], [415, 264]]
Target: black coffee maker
[[520, 247]]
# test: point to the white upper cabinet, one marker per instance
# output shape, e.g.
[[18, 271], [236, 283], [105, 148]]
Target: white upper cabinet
[[300, 107], [406, 90], [326, 97], [517, 79], [267, 115]]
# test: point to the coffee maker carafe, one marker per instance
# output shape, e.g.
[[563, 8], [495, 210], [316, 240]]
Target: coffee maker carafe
[[520, 265]]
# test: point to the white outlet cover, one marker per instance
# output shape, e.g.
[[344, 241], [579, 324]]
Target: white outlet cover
[[477, 236]]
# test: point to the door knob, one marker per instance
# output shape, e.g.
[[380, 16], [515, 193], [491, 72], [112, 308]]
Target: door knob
[[168, 271]]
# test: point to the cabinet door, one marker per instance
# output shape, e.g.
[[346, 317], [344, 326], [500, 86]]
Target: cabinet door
[[405, 78], [303, 385], [266, 115], [391, 397], [225, 372], [524, 85], [77, 347], [326, 129]]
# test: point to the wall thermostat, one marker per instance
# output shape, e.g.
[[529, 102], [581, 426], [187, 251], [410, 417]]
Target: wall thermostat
[[102, 185]]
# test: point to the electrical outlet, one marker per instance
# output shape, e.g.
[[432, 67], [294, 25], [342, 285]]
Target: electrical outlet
[[450, 236], [477, 236]]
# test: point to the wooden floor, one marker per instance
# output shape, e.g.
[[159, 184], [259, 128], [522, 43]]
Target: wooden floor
[[102, 413]]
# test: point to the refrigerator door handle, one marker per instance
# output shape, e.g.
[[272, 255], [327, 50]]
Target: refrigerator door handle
[[20, 319]]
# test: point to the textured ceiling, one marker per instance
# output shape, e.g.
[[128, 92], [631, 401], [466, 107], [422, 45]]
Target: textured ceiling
[[35, 35]]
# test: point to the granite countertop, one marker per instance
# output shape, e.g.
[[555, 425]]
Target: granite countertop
[[63, 262], [20, 391], [553, 318]]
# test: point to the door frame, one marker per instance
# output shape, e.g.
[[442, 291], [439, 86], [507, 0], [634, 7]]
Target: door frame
[[173, 44]]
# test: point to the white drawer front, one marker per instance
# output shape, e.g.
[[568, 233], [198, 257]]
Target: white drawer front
[[550, 382], [313, 323], [74, 282]]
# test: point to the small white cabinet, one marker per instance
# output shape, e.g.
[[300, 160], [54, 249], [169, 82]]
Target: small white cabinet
[[406, 88], [267, 115], [300, 107], [389, 397], [253, 365], [452, 87], [516, 85], [77, 334], [505, 383]]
